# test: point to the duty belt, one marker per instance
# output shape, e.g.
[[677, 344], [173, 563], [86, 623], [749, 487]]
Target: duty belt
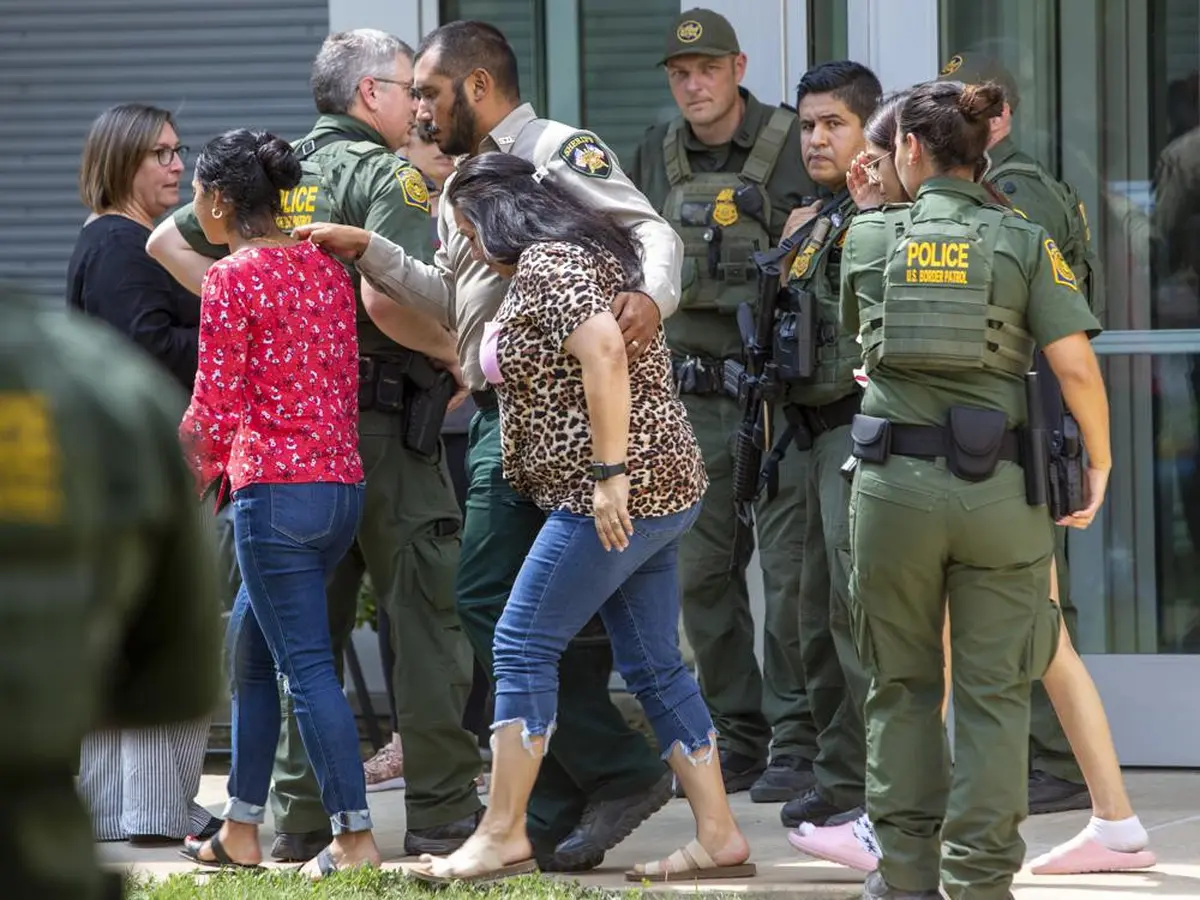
[[485, 400], [931, 441], [819, 419], [698, 374]]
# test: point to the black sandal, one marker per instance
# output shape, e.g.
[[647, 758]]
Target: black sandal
[[222, 860]]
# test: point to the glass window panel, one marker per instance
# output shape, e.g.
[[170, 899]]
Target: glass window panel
[[624, 88], [826, 32]]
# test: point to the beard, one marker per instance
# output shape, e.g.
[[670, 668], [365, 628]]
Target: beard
[[459, 139]]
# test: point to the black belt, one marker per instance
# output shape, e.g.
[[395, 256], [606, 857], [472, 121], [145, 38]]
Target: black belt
[[485, 400], [932, 441], [820, 419]]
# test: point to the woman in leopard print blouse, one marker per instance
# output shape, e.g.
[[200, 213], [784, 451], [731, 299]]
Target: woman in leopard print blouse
[[605, 448]]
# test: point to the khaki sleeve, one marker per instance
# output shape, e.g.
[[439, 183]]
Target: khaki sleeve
[[189, 228], [1056, 306], [399, 260], [582, 164]]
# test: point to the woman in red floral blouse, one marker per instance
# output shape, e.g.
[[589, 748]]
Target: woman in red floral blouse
[[273, 423]]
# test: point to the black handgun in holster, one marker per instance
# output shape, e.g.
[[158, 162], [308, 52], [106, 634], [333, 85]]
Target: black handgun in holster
[[381, 381], [1066, 469], [426, 413], [794, 344]]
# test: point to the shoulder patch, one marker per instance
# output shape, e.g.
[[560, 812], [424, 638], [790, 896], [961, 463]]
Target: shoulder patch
[[1062, 271], [412, 186], [31, 483], [584, 153]]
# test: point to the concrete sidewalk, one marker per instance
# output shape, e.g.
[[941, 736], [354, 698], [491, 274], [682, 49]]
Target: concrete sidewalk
[[1168, 803]]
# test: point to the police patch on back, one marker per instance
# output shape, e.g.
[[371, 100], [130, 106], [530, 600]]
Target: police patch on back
[[937, 262], [31, 489], [1062, 271], [412, 186], [584, 153]]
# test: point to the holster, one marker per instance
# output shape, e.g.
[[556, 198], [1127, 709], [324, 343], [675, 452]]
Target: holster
[[425, 413], [407, 383], [1066, 470]]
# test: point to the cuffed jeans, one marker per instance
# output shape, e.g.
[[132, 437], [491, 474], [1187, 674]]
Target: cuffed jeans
[[289, 539], [566, 579]]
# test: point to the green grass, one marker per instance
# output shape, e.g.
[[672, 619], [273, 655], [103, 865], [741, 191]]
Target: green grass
[[362, 884]]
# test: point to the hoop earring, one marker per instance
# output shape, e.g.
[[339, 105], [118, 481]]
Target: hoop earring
[[216, 213]]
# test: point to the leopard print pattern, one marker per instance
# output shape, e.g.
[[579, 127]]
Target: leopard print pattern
[[544, 426]]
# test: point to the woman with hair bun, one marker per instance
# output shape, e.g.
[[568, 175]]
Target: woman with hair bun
[[273, 426], [951, 296]]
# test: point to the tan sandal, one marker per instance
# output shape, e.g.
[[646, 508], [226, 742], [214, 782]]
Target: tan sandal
[[691, 863]]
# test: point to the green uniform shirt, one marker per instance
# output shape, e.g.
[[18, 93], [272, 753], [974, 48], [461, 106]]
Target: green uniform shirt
[[1028, 194], [1025, 277], [706, 332], [363, 184]]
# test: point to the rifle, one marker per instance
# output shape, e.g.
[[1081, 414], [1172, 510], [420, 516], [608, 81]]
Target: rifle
[[756, 384]]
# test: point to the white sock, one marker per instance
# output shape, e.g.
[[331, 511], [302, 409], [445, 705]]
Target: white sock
[[1125, 836]]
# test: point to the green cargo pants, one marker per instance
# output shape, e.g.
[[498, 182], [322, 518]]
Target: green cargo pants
[[747, 706], [409, 542], [833, 676], [595, 755], [1049, 749], [919, 535]]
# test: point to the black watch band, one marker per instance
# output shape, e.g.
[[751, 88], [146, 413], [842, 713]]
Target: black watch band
[[605, 471]]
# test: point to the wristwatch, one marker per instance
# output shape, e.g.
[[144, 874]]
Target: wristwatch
[[604, 471]]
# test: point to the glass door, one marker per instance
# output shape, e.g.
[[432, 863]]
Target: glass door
[[1109, 101]]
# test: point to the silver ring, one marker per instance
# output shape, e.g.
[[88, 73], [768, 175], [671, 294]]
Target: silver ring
[[633, 343]]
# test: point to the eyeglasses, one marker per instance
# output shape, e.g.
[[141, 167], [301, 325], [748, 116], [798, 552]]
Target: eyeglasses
[[407, 86], [872, 168], [166, 155]]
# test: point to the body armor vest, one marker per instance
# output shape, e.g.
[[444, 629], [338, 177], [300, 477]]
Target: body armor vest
[[720, 236], [936, 313], [836, 353]]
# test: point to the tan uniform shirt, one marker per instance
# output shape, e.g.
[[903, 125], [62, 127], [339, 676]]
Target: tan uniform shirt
[[464, 294]]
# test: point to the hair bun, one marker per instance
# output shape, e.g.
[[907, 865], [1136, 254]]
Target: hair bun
[[278, 160], [981, 101]]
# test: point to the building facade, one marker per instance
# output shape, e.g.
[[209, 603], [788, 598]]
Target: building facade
[[1109, 100]]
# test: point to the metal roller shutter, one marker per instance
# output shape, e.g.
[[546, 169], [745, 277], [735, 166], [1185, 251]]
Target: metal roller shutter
[[624, 89], [216, 65]]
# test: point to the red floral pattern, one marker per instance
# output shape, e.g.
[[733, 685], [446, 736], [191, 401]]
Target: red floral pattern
[[276, 394]]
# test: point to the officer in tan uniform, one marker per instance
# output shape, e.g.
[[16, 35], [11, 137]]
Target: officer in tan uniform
[[726, 174], [410, 532], [1055, 783], [600, 779]]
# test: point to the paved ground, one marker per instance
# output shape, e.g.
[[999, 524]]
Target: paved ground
[[1168, 802]]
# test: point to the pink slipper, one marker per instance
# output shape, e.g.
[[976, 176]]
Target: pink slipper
[[1084, 855], [834, 843]]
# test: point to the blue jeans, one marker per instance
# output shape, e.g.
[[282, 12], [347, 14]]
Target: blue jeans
[[566, 579], [289, 539]]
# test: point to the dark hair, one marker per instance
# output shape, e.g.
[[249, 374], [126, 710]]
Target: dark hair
[[467, 45], [510, 210], [880, 129], [113, 151], [249, 168], [851, 82], [951, 120]]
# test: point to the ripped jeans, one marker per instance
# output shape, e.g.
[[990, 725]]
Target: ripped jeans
[[289, 538], [565, 580]]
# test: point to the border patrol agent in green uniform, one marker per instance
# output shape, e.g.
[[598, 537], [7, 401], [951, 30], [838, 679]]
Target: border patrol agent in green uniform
[[1056, 784], [109, 609], [409, 537], [834, 102], [726, 181], [939, 506]]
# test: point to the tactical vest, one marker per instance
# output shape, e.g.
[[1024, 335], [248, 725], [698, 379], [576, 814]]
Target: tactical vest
[[326, 176], [1077, 244], [719, 239], [936, 313], [837, 352]]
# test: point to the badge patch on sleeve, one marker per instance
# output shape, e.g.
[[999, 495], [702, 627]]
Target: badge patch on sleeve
[[412, 186], [1062, 271], [585, 154]]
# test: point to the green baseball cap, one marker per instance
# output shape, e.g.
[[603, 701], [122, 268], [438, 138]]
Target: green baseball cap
[[976, 68], [702, 32]]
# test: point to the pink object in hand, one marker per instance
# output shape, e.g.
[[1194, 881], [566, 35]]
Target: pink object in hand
[[488, 359]]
